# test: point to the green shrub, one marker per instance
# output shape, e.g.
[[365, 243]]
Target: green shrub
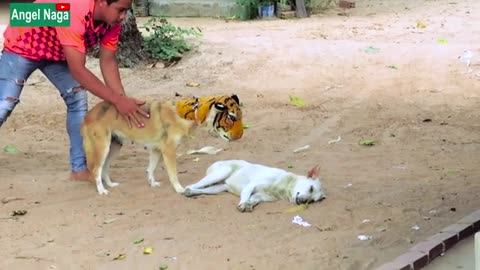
[[166, 41]]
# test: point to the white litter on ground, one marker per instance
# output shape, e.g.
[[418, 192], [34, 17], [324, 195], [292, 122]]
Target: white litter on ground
[[415, 228], [210, 150], [298, 220], [338, 139], [363, 237], [466, 58], [303, 148]]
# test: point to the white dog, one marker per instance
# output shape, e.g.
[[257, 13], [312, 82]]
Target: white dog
[[256, 183]]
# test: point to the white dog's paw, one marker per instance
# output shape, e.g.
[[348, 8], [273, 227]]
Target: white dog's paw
[[188, 192], [245, 207]]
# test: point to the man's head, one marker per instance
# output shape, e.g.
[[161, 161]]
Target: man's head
[[112, 12]]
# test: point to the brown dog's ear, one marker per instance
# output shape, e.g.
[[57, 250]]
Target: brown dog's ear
[[313, 173]]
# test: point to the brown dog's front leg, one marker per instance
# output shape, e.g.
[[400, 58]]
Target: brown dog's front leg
[[170, 160]]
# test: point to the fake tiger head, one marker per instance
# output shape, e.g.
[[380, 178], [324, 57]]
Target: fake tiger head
[[221, 114]]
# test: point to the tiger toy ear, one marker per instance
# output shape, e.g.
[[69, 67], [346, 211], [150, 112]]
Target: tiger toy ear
[[220, 106], [313, 173], [235, 97]]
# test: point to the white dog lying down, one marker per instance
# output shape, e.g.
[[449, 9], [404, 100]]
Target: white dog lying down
[[256, 183]]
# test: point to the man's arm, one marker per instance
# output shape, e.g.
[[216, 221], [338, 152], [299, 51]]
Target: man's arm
[[128, 107], [76, 64], [110, 72]]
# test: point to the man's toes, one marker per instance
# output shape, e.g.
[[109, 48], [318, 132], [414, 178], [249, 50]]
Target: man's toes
[[81, 176]]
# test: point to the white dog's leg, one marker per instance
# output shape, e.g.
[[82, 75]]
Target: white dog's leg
[[251, 203], [215, 175], [206, 191], [244, 205], [114, 149], [152, 165]]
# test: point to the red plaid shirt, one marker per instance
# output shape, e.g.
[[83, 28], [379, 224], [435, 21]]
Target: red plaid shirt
[[39, 43]]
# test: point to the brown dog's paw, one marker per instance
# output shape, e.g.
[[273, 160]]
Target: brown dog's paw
[[180, 190]]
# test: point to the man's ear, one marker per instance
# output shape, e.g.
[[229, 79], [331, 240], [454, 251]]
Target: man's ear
[[102, 3]]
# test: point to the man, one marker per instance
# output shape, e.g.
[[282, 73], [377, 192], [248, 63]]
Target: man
[[60, 53]]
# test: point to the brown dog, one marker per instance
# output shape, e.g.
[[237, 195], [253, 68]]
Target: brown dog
[[104, 131]]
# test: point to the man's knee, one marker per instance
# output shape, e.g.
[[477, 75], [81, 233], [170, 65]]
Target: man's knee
[[6, 107], [76, 99], [9, 93]]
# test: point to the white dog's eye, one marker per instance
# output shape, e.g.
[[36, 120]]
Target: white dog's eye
[[311, 189]]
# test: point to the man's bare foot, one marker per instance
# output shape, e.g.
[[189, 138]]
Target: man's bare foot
[[81, 176]]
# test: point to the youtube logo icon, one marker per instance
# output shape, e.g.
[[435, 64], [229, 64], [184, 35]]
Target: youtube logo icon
[[62, 6]]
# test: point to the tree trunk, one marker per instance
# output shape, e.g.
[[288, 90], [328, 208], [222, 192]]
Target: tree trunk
[[130, 45], [301, 9], [130, 51]]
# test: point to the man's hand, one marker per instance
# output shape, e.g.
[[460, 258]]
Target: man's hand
[[130, 110], [128, 107]]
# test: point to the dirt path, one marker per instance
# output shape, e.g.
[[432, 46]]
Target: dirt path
[[408, 92]]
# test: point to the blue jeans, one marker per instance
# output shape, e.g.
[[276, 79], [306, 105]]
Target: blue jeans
[[14, 72]]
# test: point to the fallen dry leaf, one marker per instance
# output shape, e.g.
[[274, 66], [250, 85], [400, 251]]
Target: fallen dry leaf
[[297, 208], [192, 84], [10, 199], [120, 256]]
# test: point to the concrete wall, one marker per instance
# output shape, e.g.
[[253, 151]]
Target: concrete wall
[[207, 8], [193, 8]]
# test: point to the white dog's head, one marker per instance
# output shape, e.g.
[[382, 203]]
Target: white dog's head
[[308, 188]]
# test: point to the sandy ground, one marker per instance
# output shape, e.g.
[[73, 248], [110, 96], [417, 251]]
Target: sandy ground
[[410, 94]]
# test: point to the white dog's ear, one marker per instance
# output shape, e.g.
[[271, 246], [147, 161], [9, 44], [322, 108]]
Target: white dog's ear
[[313, 173]]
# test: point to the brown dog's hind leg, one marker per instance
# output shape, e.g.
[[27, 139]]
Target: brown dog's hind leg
[[169, 154], [155, 156], [115, 147], [96, 144]]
